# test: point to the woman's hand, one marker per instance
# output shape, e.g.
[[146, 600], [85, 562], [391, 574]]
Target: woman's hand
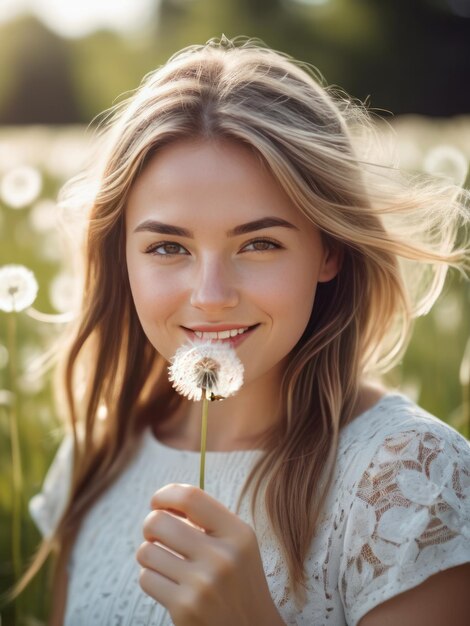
[[205, 569]]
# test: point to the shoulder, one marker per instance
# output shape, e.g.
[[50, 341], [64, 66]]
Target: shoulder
[[441, 599], [397, 424], [395, 436], [408, 502], [394, 404], [397, 458], [47, 506]]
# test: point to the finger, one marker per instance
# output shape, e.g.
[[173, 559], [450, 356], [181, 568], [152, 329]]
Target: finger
[[162, 561], [198, 506], [175, 534], [158, 587]]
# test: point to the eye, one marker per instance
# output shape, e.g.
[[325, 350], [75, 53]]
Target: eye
[[261, 245], [166, 249]]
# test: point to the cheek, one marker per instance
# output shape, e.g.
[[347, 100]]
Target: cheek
[[155, 294], [155, 303], [295, 310], [287, 294]]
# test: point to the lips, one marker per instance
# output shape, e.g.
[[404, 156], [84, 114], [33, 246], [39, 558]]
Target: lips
[[232, 335]]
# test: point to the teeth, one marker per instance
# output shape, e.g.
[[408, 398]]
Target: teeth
[[223, 334]]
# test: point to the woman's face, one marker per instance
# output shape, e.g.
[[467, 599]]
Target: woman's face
[[214, 245]]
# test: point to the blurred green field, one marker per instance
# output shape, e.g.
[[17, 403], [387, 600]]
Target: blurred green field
[[430, 373]]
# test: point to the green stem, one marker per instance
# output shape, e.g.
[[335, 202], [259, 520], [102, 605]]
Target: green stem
[[15, 450], [205, 411]]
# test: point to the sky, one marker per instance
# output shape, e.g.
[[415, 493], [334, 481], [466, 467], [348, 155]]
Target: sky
[[76, 18]]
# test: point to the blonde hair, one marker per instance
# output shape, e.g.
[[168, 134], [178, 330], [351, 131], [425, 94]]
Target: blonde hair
[[397, 236]]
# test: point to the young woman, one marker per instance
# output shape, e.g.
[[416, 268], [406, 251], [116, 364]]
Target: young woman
[[231, 197]]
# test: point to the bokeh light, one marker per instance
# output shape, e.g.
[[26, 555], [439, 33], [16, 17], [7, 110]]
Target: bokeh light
[[447, 161], [20, 186]]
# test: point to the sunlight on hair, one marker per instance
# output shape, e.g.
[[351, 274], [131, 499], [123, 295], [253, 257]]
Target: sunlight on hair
[[102, 412]]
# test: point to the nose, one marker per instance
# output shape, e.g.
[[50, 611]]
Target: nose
[[214, 286]]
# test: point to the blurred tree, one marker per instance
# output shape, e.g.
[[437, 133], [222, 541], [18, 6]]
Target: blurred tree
[[421, 63], [410, 57], [40, 87], [107, 67]]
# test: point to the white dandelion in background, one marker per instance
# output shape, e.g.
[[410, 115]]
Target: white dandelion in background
[[448, 314], [20, 186], [52, 247], [64, 292], [67, 154], [6, 397], [447, 161], [18, 288], [43, 216], [207, 371]]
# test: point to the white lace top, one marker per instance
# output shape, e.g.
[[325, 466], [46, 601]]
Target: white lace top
[[398, 512]]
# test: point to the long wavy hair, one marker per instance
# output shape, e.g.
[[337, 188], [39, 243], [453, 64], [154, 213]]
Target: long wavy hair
[[397, 235]]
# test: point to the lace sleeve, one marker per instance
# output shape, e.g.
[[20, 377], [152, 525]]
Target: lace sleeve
[[47, 506], [410, 518]]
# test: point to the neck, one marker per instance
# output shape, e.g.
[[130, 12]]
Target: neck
[[235, 423]]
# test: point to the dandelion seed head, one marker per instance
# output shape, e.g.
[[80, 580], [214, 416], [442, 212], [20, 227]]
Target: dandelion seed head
[[20, 186], [6, 397], [447, 161], [448, 314], [66, 154], [43, 216], [18, 288], [52, 247], [212, 366], [64, 292], [207, 373]]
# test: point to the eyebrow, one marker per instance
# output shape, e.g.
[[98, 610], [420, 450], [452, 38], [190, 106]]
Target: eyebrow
[[168, 229]]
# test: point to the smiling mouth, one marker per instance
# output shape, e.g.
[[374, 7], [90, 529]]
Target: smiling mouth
[[222, 335]]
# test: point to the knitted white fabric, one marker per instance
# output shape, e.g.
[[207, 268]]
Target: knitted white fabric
[[398, 511]]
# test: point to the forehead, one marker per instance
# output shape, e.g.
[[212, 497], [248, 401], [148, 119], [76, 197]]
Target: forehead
[[223, 181]]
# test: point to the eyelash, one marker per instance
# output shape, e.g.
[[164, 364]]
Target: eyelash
[[152, 249]]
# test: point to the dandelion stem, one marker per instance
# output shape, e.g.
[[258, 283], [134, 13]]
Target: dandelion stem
[[205, 411], [15, 450]]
